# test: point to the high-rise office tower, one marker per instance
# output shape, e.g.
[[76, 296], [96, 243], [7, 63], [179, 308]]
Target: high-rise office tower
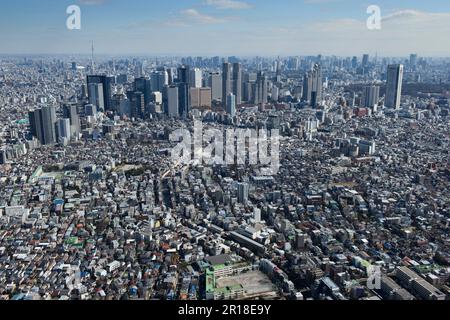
[[163, 79], [394, 86], [307, 85], [43, 124], [120, 104], [139, 70], [183, 74], [171, 75], [247, 92], [371, 96], [105, 90], [226, 80], [184, 101], [137, 104], [237, 82], [293, 63], [231, 104], [183, 85], [48, 118], [143, 85], [243, 189], [260, 88], [200, 97], [354, 62], [312, 86], [96, 96], [413, 61], [172, 102], [154, 84], [63, 130], [365, 61], [195, 78], [275, 93], [215, 83], [70, 111], [232, 81], [316, 92]]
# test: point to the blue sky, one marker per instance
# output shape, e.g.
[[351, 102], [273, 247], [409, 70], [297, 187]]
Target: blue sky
[[227, 27]]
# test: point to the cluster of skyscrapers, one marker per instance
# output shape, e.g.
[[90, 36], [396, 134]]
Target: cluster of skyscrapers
[[312, 86], [175, 91], [48, 129]]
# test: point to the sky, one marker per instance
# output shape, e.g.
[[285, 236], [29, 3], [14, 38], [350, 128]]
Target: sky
[[226, 27]]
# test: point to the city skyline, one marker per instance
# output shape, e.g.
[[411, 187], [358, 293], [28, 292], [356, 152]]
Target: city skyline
[[213, 27], [236, 151]]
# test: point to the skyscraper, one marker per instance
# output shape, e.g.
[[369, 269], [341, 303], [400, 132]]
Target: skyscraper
[[215, 83], [183, 86], [237, 82], [162, 79], [105, 90], [232, 81], [70, 111], [354, 62], [316, 92], [413, 61], [96, 96], [63, 130], [371, 96], [307, 85], [226, 81], [172, 108], [184, 101], [243, 192], [195, 78], [275, 93], [260, 89], [120, 104], [365, 61], [394, 86], [137, 104], [43, 124], [313, 86], [183, 74], [144, 85], [231, 104], [200, 97]]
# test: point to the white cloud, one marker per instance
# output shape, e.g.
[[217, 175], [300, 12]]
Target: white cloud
[[414, 16], [193, 17], [228, 4]]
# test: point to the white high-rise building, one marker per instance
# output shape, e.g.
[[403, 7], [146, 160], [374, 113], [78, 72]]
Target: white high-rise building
[[231, 105], [215, 83], [195, 78], [394, 86]]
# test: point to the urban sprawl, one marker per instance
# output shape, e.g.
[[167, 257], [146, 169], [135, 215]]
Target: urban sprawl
[[94, 207]]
